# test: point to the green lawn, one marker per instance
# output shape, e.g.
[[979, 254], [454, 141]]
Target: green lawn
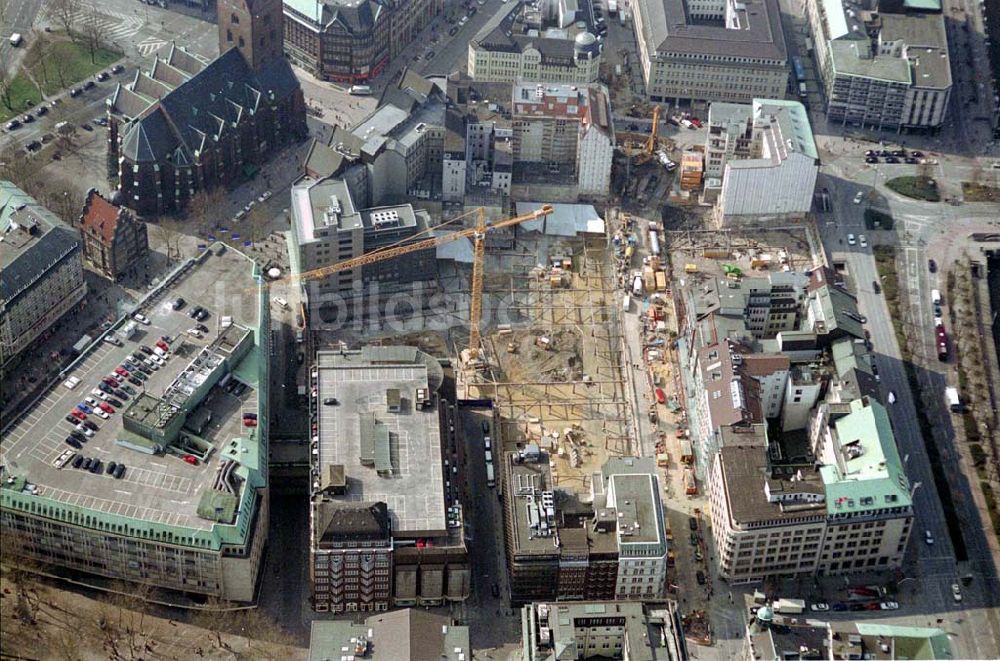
[[917, 188], [77, 65], [21, 90]]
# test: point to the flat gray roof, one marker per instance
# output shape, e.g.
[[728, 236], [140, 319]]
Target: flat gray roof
[[414, 488], [666, 29], [161, 489], [746, 472]]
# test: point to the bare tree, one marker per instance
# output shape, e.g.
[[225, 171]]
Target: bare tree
[[255, 223], [40, 60], [64, 13], [92, 31], [5, 81], [205, 210], [167, 232]]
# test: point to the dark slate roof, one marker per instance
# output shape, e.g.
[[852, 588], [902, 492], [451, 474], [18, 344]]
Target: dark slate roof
[[51, 248], [200, 107], [359, 18], [341, 521]]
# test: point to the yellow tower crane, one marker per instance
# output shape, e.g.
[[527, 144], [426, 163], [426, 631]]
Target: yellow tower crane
[[478, 235]]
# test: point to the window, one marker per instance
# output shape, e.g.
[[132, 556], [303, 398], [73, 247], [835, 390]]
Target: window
[[242, 43], [234, 19], [229, 35]]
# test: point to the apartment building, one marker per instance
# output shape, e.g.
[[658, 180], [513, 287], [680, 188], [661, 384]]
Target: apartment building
[[727, 50], [602, 629], [42, 275], [202, 527], [381, 534], [566, 128], [328, 228], [114, 242], [349, 41], [562, 546], [882, 70], [506, 50], [847, 511], [763, 160]]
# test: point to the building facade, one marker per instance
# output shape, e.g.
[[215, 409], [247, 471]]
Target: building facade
[[565, 127], [884, 70], [506, 50], [381, 534], [189, 124], [113, 241], [352, 42], [766, 170], [42, 274], [204, 528], [734, 51], [850, 511]]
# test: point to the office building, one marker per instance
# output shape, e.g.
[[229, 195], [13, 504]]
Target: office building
[[190, 124], [381, 532], [562, 546], [764, 162], [411, 634], [848, 510], [114, 242], [41, 278], [328, 228], [722, 50], [506, 50], [884, 70], [602, 629], [565, 129], [352, 42], [189, 510]]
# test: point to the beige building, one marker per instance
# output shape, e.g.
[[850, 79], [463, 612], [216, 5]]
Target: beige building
[[506, 51], [41, 270], [735, 51], [850, 512]]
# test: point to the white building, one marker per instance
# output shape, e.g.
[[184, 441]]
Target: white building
[[903, 81], [766, 157], [631, 489], [506, 51], [41, 270], [727, 50], [565, 126]]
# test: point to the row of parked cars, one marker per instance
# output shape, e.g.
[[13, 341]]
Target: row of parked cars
[[893, 156], [43, 109]]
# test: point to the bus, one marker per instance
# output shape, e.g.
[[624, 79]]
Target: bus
[[360, 90], [800, 71], [490, 477]]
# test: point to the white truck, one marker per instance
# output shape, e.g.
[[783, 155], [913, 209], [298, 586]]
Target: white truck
[[952, 398], [16, 39], [637, 286], [935, 297], [490, 477]]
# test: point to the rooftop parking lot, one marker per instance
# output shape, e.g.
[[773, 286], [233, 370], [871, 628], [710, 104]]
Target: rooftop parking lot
[[163, 488]]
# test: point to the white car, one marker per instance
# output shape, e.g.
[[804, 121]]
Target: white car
[[819, 607], [928, 537], [956, 592], [98, 393], [266, 194], [101, 414], [141, 318], [892, 397], [86, 431], [851, 240], [91, 402], [863, 241], [888, 605], [859, 197]]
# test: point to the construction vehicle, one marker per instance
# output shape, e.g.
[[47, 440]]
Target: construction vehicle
[[407, 246]]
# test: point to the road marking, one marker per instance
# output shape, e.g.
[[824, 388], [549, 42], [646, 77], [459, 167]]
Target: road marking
[[149, 46]]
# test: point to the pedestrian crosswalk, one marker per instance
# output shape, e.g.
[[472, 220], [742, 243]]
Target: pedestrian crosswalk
[[115, 27], [147, 47]]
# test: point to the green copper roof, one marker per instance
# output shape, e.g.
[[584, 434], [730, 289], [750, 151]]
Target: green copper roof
[[911, 642], [868, 473]]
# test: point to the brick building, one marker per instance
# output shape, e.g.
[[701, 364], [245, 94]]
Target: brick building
[[113, 240], [189, 124]]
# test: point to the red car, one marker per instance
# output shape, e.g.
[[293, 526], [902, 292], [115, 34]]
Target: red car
[[191, 459], [696, 122], [121, 372], [661, 396], [78, 414], [249, 422], [873, 606], [107, 408], [163, 345], [111, 382]]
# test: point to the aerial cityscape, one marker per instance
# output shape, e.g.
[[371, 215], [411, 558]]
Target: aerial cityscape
[[524, 330]]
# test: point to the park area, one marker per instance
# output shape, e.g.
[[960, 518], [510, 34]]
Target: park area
[[54, 62], [917, 188]]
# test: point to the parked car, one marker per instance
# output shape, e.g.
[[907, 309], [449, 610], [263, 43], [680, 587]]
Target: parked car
[[700, 577], [876, 287], [932, 266], [42, 110], [90, 425], [118, 68], [956, 593], [889, 605], [76, 91], [89, 84], [12, 125], [102, 76], [692, 523], [819, 607]]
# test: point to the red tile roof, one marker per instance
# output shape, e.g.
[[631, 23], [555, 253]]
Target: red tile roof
[[100, 215]]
